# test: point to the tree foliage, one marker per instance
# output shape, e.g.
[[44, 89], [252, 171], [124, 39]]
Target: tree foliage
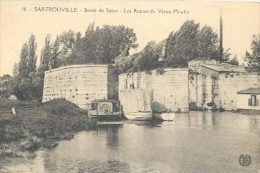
[[46, 54], [103, 45], [182, 46], [189, 43], [55, 62], [99, 45], [234, 61], [148, 58], [253, 58], [66, 42], [124, 64], [145, 60], [208, 43], [6, 85], [112, 45], [25, 84], [32, 57], [23, 64]]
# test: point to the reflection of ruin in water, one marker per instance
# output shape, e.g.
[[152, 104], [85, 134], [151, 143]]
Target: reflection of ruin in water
[[216, 138], [204, 119], [112, 132]]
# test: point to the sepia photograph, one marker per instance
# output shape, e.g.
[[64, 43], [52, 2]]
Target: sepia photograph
[[129, 86]]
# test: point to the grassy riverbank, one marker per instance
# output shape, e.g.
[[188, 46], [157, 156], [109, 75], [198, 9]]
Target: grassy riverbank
[[37, 126]]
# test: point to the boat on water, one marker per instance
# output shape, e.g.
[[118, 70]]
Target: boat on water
[[105, 110], [164, 116], [139, 116], [136, 104], [160, 112]]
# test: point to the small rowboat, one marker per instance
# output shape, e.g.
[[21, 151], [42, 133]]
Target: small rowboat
[[165, 116], [139, 116]]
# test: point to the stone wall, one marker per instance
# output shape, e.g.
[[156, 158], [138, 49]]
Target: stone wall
[[80, 84], [230, 84], [169, 87], [219, 88], [202, 89]]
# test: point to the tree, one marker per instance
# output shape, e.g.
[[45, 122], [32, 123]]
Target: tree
[[22, 85], [36, 86], [182, 46], [6, 92], [54, 59], [46, 54], [208, 43], [16, 70], [234, 61], [66, 44], [189, 43], [226, 55], [124, 64], [103, 45], [253, 58], [23, 64], [148, 57], [32, 57]]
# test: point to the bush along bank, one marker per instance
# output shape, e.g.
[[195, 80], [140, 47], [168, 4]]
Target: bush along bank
[[39, 126]]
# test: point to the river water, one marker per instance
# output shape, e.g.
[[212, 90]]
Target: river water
[[194, 142]]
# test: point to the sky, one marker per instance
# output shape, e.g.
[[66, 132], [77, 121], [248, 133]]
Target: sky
[[241, 21]]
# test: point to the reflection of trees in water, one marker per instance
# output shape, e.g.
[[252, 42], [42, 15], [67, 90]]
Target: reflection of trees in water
[[112, 134]]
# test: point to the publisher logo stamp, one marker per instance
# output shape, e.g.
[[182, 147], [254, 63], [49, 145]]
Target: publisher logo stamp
[[244, 160]]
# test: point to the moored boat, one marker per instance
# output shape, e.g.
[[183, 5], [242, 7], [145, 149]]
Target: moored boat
[[161, 112], [139, 116], [165, 116], [136, 104], [105, 110]]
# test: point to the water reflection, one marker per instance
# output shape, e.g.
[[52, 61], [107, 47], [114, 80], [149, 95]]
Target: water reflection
[[112, 132], [199, 120], [254, 124], [194, 142]]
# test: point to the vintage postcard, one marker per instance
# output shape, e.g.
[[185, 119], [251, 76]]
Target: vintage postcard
[[129, 86]]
